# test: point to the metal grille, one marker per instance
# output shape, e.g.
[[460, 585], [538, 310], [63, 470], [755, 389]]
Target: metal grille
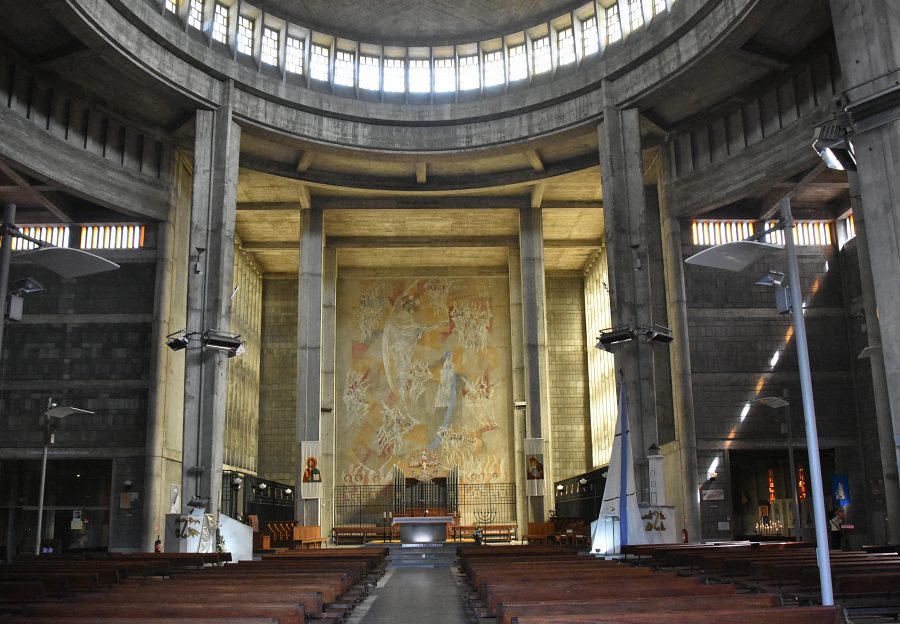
[[362, 505], [487, 503], [477, 504]]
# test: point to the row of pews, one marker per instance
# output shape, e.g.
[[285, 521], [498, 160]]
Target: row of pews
[[556, 585], [291, 587], [864, 583]]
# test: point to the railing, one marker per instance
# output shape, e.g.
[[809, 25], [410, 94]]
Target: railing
[[373, 505]]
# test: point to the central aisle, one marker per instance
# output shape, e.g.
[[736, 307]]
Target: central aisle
[[413, 596]]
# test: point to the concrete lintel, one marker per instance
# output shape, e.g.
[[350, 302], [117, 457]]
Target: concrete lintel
[[82, 173], [749, 172]]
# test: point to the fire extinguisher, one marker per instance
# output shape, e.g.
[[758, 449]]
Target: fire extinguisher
[[684, 536]]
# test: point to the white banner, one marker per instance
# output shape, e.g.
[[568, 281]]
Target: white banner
[[534, 466], [311, 478]]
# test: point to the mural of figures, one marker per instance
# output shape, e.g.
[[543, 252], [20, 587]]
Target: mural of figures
[[425, 365]]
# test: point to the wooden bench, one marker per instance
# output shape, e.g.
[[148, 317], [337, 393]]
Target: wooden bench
[[363, 534], [498, 532], [778, 615], [283, 614], [509, 610], [539, 532], [310, 537]]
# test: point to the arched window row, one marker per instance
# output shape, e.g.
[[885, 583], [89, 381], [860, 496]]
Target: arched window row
[[348, 67]]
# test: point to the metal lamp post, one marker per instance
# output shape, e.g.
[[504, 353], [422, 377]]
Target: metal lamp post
[[736, 257], [52, 416]]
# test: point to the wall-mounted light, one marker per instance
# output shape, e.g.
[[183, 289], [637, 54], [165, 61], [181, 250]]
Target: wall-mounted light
[[224, 341], [217, 339], [834, 147], [612, 338], [198, 502], [179, 340], [288, 491]]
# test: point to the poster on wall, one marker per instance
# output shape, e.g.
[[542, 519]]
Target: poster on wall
[[423, 368], [311, 479], [534, 466], [174, 498], [840, 490]]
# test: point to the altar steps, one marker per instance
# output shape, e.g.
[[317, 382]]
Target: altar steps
[[422, 555]]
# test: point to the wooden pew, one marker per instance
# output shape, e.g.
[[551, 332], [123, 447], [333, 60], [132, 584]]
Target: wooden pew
[[283, 614], [795, 615], [638, 605]]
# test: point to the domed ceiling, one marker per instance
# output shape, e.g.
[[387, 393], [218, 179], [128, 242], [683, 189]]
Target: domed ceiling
[[419, 22]]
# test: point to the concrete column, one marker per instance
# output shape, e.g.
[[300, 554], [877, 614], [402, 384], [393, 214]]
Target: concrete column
[[154, 510], [876, 361], [309, 351], [624, 214], [329, 337], [216, 156], [686, 490], [867, 33], [517, 354], [534, 338]]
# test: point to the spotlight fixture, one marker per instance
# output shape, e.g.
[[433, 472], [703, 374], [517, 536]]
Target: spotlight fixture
[[178, 340], [224, 341], [28, 286], [611, 338], [198, 502], [657, 333], [772, 278], [833, 146]]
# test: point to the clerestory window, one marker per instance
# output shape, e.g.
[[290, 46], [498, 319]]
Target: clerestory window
[[540, 56], [589, 40], [344, 65], [269, 52], [518, 64], [493, 68], [565, 46], [419, 76], [293, 56], [369, 73], [220, 24], [245, 35]]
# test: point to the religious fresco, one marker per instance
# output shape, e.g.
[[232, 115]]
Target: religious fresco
[[423, 369]]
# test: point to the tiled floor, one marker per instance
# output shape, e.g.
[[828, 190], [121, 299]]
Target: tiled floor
[[414, 596]]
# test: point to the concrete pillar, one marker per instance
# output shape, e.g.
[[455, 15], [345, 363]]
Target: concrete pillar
[[216, 156], [624, 214], [867, 33], [517, 354], [329, 338], [534, 338], [876, 361], [686, 490], [309, 351], [154, 510]]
